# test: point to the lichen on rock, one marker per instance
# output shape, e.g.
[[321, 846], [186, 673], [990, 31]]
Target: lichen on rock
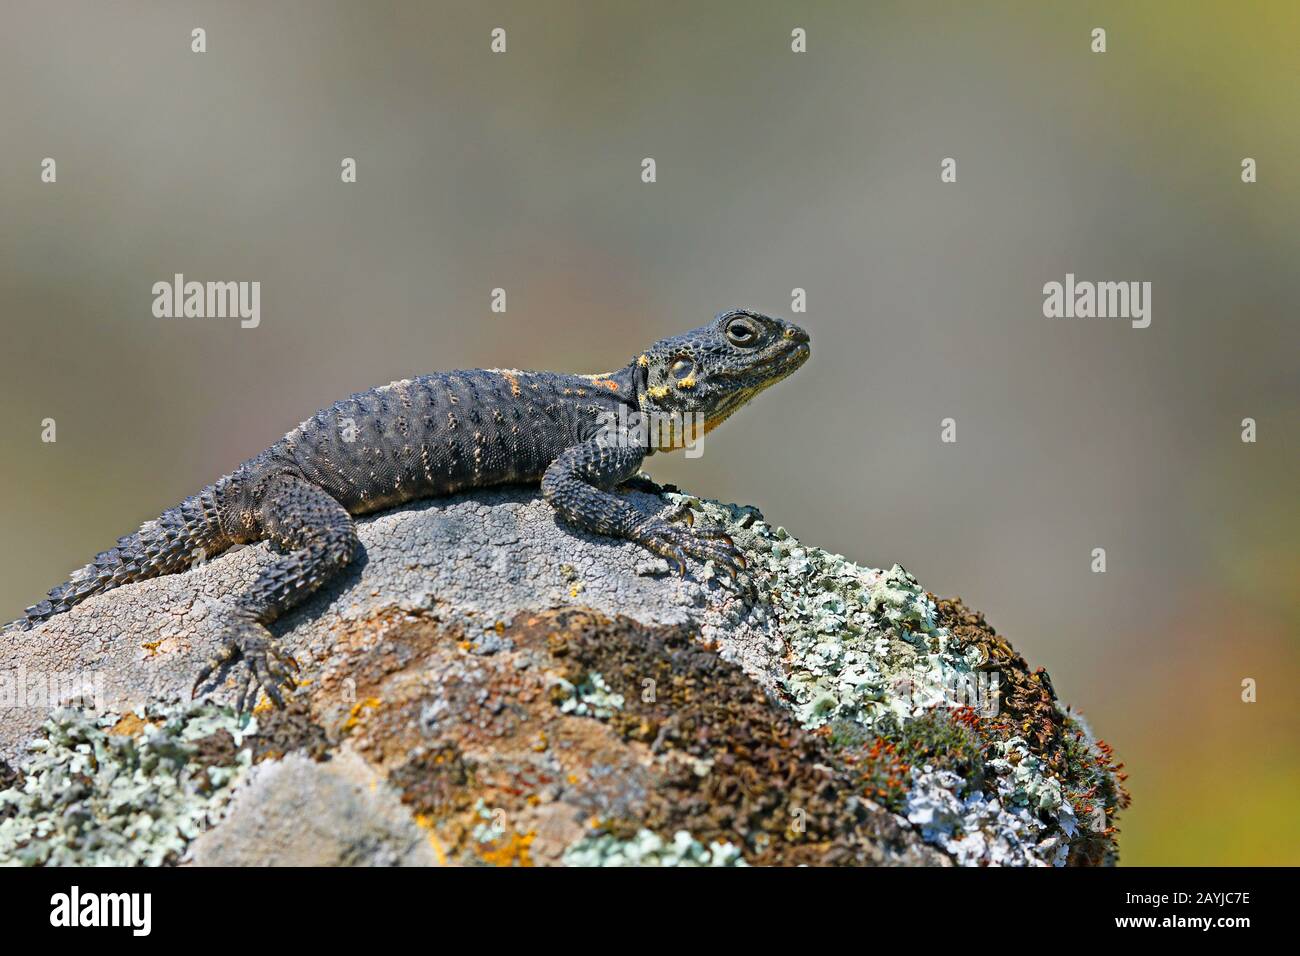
[[872, 648], [122, 790], [647, 848], [491, 688]]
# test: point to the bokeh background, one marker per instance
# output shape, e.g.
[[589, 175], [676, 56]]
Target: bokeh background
[[775, 171]]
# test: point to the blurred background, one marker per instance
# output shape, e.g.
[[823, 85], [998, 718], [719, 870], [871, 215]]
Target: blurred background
[[775, 170]]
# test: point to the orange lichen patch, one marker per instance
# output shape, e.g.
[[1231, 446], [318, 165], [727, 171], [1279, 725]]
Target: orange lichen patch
[[152, 647], [358, 711], [129, 726], [512, 851], [515, 390], [605, 383]]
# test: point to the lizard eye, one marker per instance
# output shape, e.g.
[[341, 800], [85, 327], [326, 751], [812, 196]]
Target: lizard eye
[[741, 332], [681, 368]]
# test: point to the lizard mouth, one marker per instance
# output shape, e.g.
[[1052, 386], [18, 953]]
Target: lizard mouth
[[782, 364], [775, 367], [756, 378]]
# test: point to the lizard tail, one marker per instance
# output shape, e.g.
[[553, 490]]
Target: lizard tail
[[172, 542]]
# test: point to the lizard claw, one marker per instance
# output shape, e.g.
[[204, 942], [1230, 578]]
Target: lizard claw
[[682, 513], [676, 543], [266, 666]]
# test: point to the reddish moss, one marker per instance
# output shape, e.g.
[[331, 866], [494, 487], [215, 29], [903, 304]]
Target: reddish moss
[[1028, 700]]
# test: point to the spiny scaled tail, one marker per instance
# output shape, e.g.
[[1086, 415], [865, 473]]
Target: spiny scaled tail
[[170, 543]]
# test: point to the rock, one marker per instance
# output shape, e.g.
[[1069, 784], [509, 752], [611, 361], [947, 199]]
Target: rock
[[299, 812], [489, 686]]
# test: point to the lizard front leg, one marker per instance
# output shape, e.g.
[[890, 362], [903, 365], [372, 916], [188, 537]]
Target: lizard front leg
[[320, 538], [577, 485]]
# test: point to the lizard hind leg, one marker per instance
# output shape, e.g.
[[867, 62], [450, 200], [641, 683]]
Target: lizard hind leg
[[319, 539]]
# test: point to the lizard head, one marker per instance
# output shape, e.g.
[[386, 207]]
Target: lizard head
[[709, 372]]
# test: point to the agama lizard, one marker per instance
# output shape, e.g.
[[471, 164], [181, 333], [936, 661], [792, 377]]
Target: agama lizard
[[436, 435]]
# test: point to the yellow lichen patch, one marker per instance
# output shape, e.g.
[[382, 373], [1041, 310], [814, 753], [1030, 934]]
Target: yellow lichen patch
[[128, 726], [425, 823], [358, 709], [687, 382], [658, 391], [152, 647], [512, 852], [643, 361], [575, 589]]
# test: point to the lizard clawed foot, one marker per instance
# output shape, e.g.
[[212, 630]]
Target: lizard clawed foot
[[676, 543], [266, 666]]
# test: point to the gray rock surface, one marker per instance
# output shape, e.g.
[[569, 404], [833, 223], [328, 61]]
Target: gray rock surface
[[300, 812]]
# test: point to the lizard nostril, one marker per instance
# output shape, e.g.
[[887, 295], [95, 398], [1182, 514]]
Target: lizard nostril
[[797, 334]]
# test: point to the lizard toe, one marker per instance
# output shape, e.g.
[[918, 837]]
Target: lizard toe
[[265, 667]]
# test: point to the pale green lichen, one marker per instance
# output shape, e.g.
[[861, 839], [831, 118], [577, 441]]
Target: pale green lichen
[[592, 698], [864, 643], [649, 849], [1030, 783], [492, 828], [865, 647], [1025, 820], [95, 794]]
